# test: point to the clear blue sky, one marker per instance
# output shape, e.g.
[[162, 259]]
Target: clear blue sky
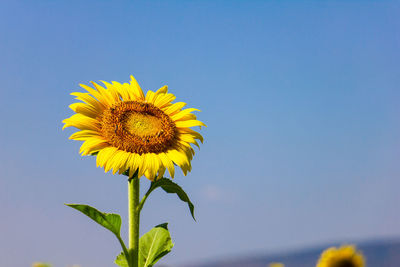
[[301, 99]]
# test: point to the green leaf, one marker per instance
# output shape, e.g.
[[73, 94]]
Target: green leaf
[[110, 221], [121, 260], [154, 245], [171, 187]]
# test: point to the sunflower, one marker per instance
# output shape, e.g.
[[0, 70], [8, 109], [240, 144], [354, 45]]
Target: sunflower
[[345, 256], [133, 133], [40, 264]]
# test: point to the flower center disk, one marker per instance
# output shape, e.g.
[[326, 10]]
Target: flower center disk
[[143, 124], [344, 263], [138, 127]]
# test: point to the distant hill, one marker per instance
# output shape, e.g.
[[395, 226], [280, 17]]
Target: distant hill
[[378, 254]]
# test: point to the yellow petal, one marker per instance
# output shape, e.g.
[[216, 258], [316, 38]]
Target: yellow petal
[[120, 161], [148, 175], [109, 161], [85, 109], [162, 90], [113, 91], [95, 93], [96, 148], [104, 93], [142, 165], [164, 100], [104, 155], [113, 162], [82, 122], [85, 134], [150, 166], [182, 113], [129, 94], [161, 172], [88, 99], [195, 134], [136, 89], [167, 162], [188, 117], [189, 123], [123, 92], [187, 143], [157, 164], [133, 163], [150, 97], [178, 158], [92, 145], [174, 108]]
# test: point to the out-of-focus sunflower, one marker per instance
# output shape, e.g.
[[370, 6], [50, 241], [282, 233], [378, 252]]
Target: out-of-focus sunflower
[[41, 264], [130, 132], [345, 256]]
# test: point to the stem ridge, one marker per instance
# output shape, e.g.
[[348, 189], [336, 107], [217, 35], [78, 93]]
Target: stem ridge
[[134, 220]]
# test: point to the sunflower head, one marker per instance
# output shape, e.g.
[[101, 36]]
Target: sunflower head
[[133, 133], [344, 256], [40, 264]]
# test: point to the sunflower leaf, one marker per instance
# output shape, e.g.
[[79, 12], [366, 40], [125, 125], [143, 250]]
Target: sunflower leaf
[[121, 260], [154, 245], [170, 187], [110, 221]]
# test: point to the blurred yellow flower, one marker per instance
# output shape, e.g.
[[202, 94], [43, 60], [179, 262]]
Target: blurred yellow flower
[[276, 264], [40, 264], [129, 131], [345, 256]]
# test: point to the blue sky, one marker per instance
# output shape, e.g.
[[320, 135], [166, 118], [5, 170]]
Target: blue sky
[[301, 99]]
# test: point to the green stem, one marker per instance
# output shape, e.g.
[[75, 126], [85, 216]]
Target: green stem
[[144, 198], [134, 214], [126, 253]]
